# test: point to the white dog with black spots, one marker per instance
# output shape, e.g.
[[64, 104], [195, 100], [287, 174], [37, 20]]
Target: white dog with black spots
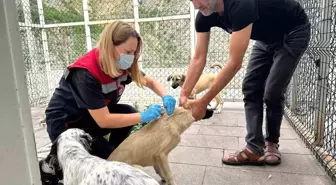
[[69, 158]]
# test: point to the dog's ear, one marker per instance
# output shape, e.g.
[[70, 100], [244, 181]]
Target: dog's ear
[[169, 77], [183, 77], [86, 140], [208, 114], [52, 160]]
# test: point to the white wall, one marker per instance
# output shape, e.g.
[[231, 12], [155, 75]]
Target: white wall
[[18, 159]]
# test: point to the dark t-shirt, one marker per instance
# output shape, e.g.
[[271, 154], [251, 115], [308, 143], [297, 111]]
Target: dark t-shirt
[[74, 96], [87, 91], [271, 18]]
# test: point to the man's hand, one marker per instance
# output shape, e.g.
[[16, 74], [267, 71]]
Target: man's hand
[[198, 108], [183, 100], [184, 96]]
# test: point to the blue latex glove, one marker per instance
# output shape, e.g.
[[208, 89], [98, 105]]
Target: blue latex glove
[[169, 103], [153, 112]]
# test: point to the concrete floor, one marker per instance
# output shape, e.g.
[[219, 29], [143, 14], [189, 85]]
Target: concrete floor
[[197, 159]]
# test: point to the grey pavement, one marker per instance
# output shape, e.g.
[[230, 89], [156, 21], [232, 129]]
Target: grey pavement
[[197, 159]]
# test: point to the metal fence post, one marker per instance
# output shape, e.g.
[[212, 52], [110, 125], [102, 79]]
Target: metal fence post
[[18, 159], [192, 30], [293, 95], [323, 66], [136, 24], [45, 47], [137, 28], [86, 25], [28, 21]]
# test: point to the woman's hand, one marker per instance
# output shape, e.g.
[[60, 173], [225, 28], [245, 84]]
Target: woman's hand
[[153, 112], [169, 103]]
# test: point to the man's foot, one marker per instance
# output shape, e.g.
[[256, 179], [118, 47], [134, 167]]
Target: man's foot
[[272, 154], [243, 157]]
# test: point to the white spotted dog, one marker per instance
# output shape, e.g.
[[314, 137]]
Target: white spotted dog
[[69, 157]]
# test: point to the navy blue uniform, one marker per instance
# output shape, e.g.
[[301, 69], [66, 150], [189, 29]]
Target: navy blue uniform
[[83, 87]]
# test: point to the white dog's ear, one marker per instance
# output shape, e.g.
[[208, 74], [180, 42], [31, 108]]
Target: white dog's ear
[[86, 140], [169, 77], [52, 160]]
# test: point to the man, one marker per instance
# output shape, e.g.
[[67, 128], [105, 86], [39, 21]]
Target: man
[[281, 30]]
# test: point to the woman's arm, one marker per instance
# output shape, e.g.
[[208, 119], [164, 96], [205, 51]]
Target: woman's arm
[[168, 101], [105, 119], [88, 95], [155, 86]]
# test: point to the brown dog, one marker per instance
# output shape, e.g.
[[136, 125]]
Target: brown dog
[[202, 84], [151, 145]]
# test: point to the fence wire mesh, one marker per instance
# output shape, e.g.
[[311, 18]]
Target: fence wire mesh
[[311, 97], [53, 35]]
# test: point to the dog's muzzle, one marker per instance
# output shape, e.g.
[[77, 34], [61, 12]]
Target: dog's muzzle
[[174, 86], [208, 114]]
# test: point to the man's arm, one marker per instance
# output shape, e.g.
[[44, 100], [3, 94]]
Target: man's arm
[[238, 45], [197, 63]]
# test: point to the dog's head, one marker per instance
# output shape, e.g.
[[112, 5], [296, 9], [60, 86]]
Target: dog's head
[[177, 80], [77, 137], [208, 114], [185, 110], [189, 106], [69, 140]]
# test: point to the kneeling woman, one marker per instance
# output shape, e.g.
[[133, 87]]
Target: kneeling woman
[[89, 91]]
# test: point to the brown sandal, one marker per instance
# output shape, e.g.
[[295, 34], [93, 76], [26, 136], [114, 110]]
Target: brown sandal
[[243, 157], [272, 154]]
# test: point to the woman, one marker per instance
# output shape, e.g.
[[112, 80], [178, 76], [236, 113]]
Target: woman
[[89, 91]]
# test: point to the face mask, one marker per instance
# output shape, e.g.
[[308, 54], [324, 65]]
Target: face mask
[[125, 60]]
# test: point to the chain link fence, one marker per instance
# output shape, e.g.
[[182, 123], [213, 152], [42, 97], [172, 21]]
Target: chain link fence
[[311, 97], [55, 33]]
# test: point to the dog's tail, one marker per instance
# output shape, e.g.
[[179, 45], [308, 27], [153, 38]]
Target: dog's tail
[[217, 64]]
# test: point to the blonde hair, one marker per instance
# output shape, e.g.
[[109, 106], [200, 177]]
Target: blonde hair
[[113, 35]]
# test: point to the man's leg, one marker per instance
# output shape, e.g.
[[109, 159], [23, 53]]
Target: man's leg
[[253, 87], [285, 62]]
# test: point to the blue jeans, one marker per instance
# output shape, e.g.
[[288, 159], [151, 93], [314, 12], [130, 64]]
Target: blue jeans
[[269, 71]]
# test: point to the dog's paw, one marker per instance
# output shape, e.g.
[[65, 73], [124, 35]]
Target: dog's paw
[[43, 124], [218, 109]]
